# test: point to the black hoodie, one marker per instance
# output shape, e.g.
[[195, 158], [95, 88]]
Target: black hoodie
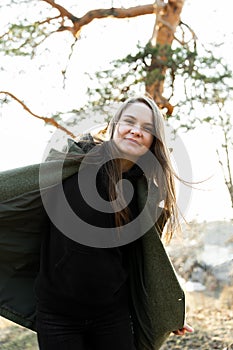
[[77, 279]]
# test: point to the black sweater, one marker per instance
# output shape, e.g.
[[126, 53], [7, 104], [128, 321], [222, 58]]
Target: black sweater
[[77, 279]]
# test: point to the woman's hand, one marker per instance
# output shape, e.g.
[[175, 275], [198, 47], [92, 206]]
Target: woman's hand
[[183, 330]]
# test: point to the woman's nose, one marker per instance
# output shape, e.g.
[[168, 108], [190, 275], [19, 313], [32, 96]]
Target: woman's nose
[[136, 130]]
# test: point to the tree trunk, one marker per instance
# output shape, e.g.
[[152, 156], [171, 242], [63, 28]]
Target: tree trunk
[[167, 20]]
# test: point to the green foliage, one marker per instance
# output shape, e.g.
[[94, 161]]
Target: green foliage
[[203, 79], [21, 39], [151, 62], [109, 86]]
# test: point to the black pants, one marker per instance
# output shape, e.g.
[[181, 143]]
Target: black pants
[[110, 331]]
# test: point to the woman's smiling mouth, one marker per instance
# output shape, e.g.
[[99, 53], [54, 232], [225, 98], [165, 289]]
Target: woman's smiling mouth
[[133, 141]]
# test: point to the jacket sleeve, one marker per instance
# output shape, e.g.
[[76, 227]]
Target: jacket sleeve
[[23, 222]]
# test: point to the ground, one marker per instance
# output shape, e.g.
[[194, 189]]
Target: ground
[[209, 311], [213, 324], [211, 318]]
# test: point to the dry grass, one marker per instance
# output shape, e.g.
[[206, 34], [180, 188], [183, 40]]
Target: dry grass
[[14, 337], [212, 320]]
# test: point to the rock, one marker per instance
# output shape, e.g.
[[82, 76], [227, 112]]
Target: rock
[[205, 254], [223, 272], [191, 286], [226, 297]]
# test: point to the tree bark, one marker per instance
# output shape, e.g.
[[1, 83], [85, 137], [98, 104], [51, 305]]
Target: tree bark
[[79, 23], [167, 20]]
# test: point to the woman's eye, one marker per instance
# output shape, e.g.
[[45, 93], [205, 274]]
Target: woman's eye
[[148, 129], [128, 121]]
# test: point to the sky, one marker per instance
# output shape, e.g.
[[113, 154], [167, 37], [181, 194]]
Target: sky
[[23, 139]]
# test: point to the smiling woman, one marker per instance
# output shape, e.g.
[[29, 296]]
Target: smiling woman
[[117, 290], [135, 152], [134, 132]]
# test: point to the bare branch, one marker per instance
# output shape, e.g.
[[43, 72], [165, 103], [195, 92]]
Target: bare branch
[[194, 36], [61, 9], [78, 23], [48, 20], [69, 58], [47, 120]]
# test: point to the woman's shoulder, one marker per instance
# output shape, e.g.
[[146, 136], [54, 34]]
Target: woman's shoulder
[[85, 143]]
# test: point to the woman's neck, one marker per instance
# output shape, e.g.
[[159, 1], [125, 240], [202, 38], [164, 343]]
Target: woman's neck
[[126, 165]]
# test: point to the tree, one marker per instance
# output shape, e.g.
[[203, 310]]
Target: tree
[[23, 38], [221, 123], [170, 55]]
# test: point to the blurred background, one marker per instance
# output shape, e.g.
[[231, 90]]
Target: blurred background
[[69, 67]]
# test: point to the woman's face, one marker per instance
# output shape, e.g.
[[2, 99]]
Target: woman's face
[[133, 134]]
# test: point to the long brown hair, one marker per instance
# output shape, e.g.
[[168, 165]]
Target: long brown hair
[[160, 171]]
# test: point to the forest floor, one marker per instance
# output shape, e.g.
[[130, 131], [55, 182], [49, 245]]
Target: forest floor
[[211, 318]]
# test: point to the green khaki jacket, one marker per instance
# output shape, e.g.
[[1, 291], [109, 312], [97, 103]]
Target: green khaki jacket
[[157, 300]]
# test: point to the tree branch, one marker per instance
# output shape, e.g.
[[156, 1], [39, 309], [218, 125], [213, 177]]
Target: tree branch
[[62, 10], [47, 120], [78, 23], [48, 20]]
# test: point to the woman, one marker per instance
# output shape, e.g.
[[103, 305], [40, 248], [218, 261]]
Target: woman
[[101, 282], [82, 290]]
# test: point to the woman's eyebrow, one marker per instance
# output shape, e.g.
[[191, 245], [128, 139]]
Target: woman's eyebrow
[[129, 115]]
